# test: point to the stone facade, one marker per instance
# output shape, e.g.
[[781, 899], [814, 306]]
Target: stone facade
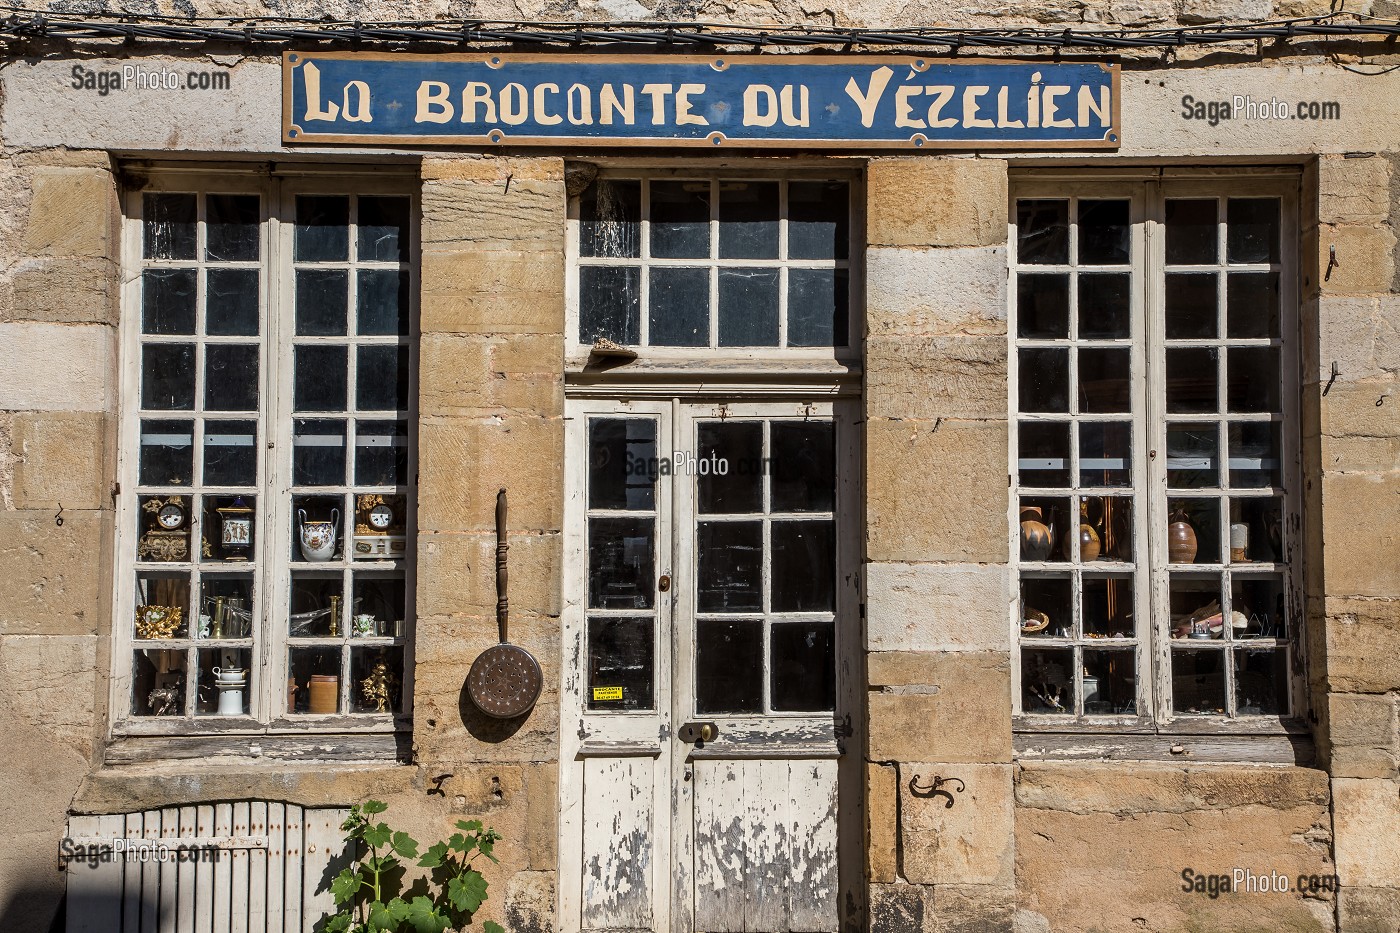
[[1032, 843]]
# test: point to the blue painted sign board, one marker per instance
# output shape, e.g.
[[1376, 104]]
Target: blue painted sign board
[[805, 101]]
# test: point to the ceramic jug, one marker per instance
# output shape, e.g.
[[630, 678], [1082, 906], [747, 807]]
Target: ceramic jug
[[318, 538]]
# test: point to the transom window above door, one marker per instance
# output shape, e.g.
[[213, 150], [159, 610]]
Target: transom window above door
[[709, 263]]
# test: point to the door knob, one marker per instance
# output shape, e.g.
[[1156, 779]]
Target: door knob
[[664, 584], [698, 732]]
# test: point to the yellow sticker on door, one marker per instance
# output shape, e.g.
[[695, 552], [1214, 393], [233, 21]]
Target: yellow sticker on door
[[607, 693]]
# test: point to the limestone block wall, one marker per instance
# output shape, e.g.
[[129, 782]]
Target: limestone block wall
[[936, 543], [1354, 486], [58, 286]]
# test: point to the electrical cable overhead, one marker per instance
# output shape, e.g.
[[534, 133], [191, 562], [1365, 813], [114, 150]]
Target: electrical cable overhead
[[21, 26]]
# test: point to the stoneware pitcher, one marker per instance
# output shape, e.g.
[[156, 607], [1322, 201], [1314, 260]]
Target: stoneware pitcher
[[318, 538]]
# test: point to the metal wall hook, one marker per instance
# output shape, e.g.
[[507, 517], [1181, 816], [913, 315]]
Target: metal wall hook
[[935, 789]]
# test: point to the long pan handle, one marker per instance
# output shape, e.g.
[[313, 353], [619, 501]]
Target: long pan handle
[[502, 575]]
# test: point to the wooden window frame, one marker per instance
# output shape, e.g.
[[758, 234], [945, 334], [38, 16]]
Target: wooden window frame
[[1148, 190], [269, 642], [718, 357]]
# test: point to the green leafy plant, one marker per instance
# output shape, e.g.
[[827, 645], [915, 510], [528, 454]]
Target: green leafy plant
[[456, 889]]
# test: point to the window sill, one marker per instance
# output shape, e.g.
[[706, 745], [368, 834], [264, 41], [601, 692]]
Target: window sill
[[1088, 743], [391, 745]]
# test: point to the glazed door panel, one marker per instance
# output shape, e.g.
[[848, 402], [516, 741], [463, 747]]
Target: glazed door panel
[[709, 639]]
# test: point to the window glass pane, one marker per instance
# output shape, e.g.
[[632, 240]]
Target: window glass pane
[[1252, 230], [818, 307], [1254, 455], [382, 378], [383, 229], [231, 377], [322, 296], [167, 376], [376, 679], [622, 463], [1254, 379], [231, 302], [748, 307], [1259, 598], [1103, 232], [1192, 306], [168, 226], [230, 526], [730, 566], [1261, 681], [1043, 457], [679, 307], [381, 453], [382, 302], [621, 657], [1251, 300], [167, 301], [158, 682], [737, 485], [729, 666], [609, 304], [1198, 682], [1105, 449], [1045, 606], [1042, 231], [1110, 682], [1191, 232], [230, 453], [818, 220], [317, 536], [748, 220], [167, 453], [803, 466], [804, 566], [1108, 606], [621, 563], [1047, 680], [1044, 379], [231, 227], [1105, 306], [1045, 522], [1103, 380], [318, 452], [1111, 520], [313, 682], [322, 228], [319, 378], [1042, 305], [1256, 530], [1193, 535], [225, 605], [610, 214], [1193, 456], [163, 605], [380, 600], [1191, 379], [680, 219], [229, 695], [803, 666]]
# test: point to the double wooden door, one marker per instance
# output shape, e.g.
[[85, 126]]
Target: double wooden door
[[709, 658]]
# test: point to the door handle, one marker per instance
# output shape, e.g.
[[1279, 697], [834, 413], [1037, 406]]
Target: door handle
[[664, 584], [698, 732]]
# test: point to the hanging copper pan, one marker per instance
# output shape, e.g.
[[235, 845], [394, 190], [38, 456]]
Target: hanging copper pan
[[505, 679]]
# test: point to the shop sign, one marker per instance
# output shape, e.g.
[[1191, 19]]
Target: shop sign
[[864, 102]]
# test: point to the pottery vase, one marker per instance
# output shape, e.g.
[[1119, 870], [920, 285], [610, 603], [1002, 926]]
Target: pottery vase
[[325, 693], [1037, 541], [1089, 545], [318, 538], [1181, 540]]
